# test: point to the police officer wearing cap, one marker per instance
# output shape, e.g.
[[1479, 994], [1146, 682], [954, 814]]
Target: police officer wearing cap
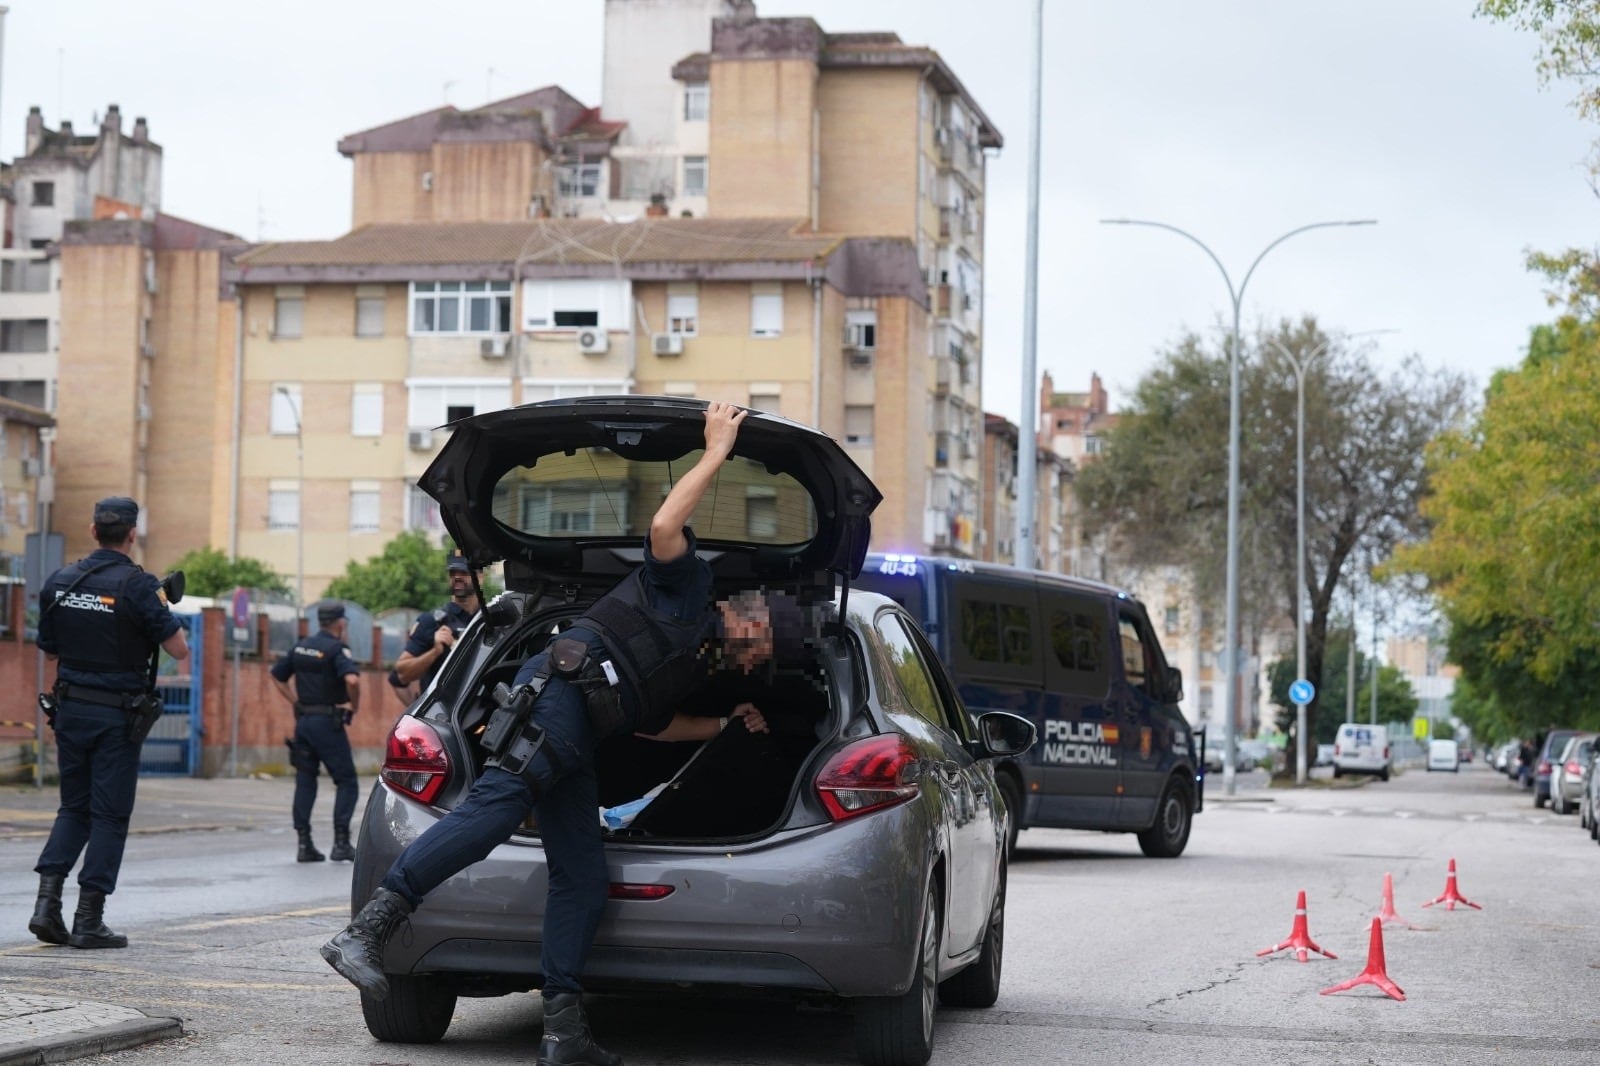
[[322, 682], [101, 620], [434, 633]]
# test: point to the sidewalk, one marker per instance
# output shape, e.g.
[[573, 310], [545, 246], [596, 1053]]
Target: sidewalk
[[40, 1029]]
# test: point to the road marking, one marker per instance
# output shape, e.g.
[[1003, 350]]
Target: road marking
[[258, 919]]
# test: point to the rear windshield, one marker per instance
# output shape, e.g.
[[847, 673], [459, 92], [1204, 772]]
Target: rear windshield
[[596, 492]]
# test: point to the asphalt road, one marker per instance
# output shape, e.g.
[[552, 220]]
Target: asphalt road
[[1110, 958]]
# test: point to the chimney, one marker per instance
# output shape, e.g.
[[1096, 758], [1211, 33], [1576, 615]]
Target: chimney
[[35, 131], [66, 128], [112, 123], [141, 131]]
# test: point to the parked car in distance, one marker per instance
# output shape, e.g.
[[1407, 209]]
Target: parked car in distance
[[856, 853], [1566, 773], [1444, 755], [1324, 755], [1261, 754], [1555, 742], [1590, 803], [1361, 749]]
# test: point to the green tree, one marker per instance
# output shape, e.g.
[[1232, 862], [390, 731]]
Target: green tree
[[1397, 702], [1158, 494], [409, 573], [208, 572]]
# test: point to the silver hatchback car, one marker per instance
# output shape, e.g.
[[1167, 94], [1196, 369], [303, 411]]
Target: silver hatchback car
[[1567, 773], [856, 852]]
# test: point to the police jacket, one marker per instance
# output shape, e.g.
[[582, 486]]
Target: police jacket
[[103, 618], [420, 638], [318, 664]]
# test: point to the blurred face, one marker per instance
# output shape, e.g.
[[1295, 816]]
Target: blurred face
[[460, 585], [747, 636]]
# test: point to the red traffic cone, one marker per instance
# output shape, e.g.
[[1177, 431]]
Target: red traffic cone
[[1299, 936], [1386, 914], [1452, 895], [1375, 973]]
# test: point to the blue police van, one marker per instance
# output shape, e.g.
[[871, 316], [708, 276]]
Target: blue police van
[[1081, 661]]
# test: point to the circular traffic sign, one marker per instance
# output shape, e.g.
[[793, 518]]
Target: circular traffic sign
[[241, 607], [1302, 692]]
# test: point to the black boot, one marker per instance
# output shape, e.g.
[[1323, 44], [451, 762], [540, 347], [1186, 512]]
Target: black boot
[[566, 1039], [308, 851], [342, 851], [357, 951], [88, 928], [46, 923]]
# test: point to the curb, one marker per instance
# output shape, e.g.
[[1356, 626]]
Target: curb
[[50, 1047]]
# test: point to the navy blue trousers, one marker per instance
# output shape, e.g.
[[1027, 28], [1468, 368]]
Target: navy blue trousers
[[325, 735], [99, 775], [567, 804]]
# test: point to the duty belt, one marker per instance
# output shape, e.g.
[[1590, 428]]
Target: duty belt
[[303, 709], [104, 697]]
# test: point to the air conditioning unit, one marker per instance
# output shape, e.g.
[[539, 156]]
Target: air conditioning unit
[[494, 347], [859, 357], [667, 344], [420, 440], [594, 341], [31, 467]]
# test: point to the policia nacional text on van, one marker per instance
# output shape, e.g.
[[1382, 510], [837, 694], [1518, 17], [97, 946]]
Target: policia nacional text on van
[[1081, 661]]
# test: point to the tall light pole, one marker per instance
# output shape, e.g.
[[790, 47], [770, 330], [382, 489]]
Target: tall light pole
[[1230, 648], [1300, 366], [300, 503], [1026, 553]]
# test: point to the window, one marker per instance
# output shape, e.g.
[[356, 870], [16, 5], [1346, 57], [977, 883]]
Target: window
[[858, 424], [44, 194], [766, 314], [1135, 659], [1078, 661], [364, 506], [569, 509], [766, 396], [683, 314], [694, 175], [288, 317], [422, 511], [283, 505], [460, 307], [696, 101], [25, 275], [366, 411], [285, 410], [369, 316], [994, 626], [572, 303], [578, 180], [25, 335], [433, 403], [1171, 620], [1093, 445], [861, 330], [761, 512], [536, 389], [916, 681]]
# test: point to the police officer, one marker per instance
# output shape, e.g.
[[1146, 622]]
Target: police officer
[[101, 620], [666, 606], [434, 633], [325, 692]]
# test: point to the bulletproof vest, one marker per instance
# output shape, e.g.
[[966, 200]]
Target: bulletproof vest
[[656, 656], [95, 626]]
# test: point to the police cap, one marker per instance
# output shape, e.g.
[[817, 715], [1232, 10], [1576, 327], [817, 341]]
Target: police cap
[[116, 510], [457, 563], [329, 613]]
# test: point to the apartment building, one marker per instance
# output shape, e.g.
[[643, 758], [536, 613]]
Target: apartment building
[[1055, 507], [23, 431]]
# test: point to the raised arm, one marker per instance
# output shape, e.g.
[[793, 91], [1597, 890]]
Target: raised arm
[[667, 541]]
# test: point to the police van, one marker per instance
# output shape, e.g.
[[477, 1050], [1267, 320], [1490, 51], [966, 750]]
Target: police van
[[1081, 661]]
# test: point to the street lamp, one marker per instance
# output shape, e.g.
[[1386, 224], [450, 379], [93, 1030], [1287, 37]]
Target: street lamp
[[1230, 650], [300, 503], [1300, 366]]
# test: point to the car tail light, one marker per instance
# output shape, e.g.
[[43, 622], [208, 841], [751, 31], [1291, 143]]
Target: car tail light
[[868, 775], [1574, 769], [415, 762], [1386, 751], [1544, 766], [621, 890], [1336, 749]]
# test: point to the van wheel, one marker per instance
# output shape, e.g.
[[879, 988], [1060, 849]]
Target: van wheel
[[1337, 772], [1011, 793], [898, 1030], [979, 984], [1167, 838], [1383, 775], [417, 1011]]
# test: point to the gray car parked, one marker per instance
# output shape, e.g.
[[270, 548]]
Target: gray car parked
[[856, 852]]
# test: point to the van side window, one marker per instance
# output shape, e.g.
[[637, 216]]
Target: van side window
[[1078, 648], [993, 636], [916, 681], [1135, 656]]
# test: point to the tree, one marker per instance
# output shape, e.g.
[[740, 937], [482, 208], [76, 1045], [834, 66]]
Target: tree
[[1397, 702], [208, 572], [1158, 494], [409, 573]]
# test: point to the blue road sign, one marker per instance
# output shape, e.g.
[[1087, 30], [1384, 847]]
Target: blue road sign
[[1302, 692]]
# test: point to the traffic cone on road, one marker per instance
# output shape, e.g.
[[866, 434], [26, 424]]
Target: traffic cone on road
[[1386, 913], [1375, 973], [1452, 895], [1299, 935]]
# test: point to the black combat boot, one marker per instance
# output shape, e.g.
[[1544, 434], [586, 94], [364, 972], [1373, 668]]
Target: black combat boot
[[342, 851], [566, 1039], [46, 923], [308, 851], [357, 951], [88, 928]]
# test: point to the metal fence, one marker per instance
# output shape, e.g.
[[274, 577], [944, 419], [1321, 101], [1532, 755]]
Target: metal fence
[[173, 746]]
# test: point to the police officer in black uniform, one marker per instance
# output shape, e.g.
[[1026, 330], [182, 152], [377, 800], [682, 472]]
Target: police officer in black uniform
[[101, 619], [658, 629], [326, 691], [433, 634]]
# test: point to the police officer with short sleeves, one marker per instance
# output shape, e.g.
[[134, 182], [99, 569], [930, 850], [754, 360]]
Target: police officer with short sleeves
[[101, 619], [325, 692], [434, 633]]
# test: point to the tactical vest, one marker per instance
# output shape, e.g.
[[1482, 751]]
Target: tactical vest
[[656, 656], [94, 628]]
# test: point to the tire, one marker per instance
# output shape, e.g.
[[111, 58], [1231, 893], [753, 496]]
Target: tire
[[898, 1030], [1169, 835], [1383, 775], [1538, 800], [978, 986], [417, 1011], [1011, 793], [1337, 772]]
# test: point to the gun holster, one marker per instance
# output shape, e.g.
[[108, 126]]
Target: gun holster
[[511, 738], [596, 679], [144, 711], [49, 704], [301, 757]]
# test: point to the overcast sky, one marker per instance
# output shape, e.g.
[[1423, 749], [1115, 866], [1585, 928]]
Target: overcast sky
[[1236, 120]]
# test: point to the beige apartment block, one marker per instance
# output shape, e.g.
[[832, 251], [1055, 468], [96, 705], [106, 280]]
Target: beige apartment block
[[23, 429]]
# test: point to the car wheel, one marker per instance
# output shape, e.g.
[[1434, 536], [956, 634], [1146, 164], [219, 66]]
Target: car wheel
[[1538, 800], [1011, 793], [1167, 838], [1383, 775], [417, 1011], [898, 1030], [979, 984], [1337, 772]]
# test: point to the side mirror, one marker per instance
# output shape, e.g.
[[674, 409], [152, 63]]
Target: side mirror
[[1174, 684], [1003, 734]]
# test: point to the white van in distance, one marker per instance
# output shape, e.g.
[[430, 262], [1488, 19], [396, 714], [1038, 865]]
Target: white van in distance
[[1444, 755], [1361, 749]]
